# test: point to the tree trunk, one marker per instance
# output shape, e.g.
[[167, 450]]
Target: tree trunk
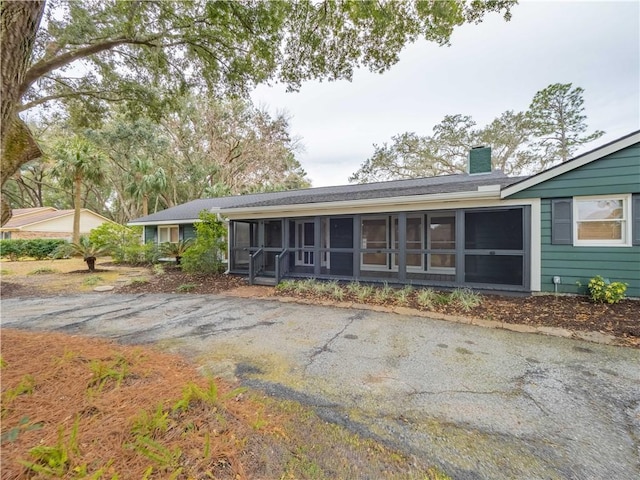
[[19, 23], [91, 263], [77, 199]]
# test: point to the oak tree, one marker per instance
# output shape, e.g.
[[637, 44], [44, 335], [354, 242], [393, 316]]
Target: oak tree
[[143, 52]]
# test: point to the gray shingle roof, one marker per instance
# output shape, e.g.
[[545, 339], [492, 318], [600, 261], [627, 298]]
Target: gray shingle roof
[[396, 188]]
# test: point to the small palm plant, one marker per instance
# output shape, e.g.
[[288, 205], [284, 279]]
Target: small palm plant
[[88, 251], [176, 250]]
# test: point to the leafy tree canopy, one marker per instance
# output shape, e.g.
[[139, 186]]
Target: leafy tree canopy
[[143, 53], [521, 142]]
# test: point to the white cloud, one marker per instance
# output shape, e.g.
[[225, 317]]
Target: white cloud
[[490, 67]]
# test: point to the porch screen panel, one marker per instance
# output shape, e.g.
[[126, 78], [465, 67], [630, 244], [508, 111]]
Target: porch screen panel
[[341, 236], [272, 243], [495, 269], [494, 230], [494, 247], [273, 234], [375, 236], [242, 242], [441, 235]]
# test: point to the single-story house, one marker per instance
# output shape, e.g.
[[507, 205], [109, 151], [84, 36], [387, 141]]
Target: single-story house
[[481, 229], [48, 222]]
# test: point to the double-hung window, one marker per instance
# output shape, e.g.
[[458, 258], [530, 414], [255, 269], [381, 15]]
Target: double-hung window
[[168, 234], [602, 220]]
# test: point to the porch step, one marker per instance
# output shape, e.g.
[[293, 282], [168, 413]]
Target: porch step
[[264, 281]]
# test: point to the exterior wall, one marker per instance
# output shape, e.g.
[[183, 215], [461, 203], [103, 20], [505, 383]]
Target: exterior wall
[[185, 232], [150, 233], [25, 235], [65, 224], [576, 265], [617, 173]]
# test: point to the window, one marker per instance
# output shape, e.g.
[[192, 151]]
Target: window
[[602, 220], [168, 234]]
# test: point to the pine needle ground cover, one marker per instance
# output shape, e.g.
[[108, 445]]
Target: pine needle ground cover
[[76, 407]]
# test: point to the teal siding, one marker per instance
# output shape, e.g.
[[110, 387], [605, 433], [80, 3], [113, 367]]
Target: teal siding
[[187, 232], [576, 265], [618, 173], [151, 234], [615, 173]]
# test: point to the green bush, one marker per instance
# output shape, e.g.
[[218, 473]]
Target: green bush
[[38, 248], [206, 254], [136, 253], [12, 249], [603, 291], [119, 241]]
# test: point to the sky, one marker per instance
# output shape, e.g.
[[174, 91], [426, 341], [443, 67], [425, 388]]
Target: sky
[[489, 68]]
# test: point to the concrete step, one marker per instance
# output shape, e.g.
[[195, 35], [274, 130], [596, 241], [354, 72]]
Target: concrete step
[[264, 281]]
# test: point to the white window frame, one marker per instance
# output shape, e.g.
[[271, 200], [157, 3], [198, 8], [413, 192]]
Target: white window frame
[[168, 229], [625, 241]]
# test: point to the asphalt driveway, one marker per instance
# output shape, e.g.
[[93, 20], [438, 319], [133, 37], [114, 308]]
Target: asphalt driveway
[[481, 403]]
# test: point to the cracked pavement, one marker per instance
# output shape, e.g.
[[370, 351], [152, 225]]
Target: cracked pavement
[[480, 403]]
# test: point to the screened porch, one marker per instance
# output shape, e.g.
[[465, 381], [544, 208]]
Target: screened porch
[[482, 248]]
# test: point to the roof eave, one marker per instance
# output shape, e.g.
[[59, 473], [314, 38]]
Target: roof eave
[[405, 200]]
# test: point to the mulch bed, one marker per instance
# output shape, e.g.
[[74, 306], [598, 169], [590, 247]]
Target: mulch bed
[[571, 312]]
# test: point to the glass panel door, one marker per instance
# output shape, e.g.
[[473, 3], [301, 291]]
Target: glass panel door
[[272, 235], [305, 238]]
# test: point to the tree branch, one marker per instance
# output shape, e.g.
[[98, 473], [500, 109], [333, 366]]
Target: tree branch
[[45, 66]]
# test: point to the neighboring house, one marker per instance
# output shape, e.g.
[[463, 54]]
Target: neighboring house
[[173, 224], [48, 222], [589, 217], [481, 230]]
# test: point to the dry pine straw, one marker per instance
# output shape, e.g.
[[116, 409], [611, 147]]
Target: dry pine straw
[[60, 365]]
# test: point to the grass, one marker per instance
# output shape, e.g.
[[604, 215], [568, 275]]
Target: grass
[[43, 271], [158, 269], [112, 371], [92, 280], [54, 461], [186, 287], [404, 294], [426, 297], [466, 298]]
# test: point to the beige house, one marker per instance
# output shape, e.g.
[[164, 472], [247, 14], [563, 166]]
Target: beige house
[[48, 222]]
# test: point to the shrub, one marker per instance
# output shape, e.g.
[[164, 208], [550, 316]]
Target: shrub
[[603, 291], [176, 250], [111, 236], [136, 253], [12, 249], [206, 254], [426, 297], [38, 248], [466, 298]]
